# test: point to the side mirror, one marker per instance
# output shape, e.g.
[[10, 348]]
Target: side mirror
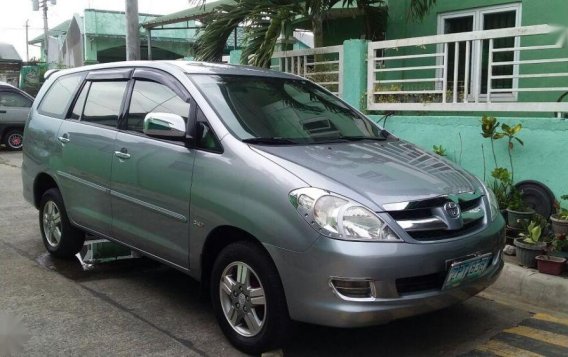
[[164, 125]]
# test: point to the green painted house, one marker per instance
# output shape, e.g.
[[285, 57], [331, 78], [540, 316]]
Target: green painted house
[[99, 36]]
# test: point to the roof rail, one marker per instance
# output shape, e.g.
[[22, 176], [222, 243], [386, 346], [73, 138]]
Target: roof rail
[[49, 72]]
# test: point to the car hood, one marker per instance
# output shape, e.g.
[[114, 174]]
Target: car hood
[[382, 172]]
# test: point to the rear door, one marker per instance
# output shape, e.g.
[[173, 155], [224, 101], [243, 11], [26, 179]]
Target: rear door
[[87, 139], [151, 177]]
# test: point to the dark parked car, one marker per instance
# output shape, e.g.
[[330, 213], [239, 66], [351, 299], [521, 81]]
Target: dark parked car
[[15, 106]]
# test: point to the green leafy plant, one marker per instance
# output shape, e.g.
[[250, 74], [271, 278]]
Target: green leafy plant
[[502, 186], [489, 127], [503, 179], [562, 213], [532, 234], [439, 150], [559, 243], [516, 202], [510, 132]]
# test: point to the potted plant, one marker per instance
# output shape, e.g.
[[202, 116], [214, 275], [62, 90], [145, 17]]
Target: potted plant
[[502, 187], [530, 244], [560, 220], [518, 213], [549, 264]]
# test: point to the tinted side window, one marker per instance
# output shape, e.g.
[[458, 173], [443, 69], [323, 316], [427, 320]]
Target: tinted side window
[[148, 97], [103, 103], [14, 100], [59, 95], [80, 103]]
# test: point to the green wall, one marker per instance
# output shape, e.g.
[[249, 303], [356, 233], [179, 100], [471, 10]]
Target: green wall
[[533, 12], [542, 157]]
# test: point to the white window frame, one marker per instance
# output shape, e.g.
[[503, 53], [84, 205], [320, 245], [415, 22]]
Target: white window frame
[[476, 48]]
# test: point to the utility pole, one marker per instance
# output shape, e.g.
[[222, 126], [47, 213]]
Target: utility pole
[[36, 4], [27, 25], [45, 31], [132, 31]]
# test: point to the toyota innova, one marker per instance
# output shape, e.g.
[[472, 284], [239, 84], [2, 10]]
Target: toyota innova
[[284, 201]]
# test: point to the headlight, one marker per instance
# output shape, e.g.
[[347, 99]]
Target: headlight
[[493, 203], [339, 217]]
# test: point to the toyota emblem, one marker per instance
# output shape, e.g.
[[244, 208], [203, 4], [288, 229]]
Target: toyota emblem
[[453, 209]]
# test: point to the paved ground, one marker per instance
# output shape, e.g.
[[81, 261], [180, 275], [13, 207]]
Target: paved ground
[[139, 307]]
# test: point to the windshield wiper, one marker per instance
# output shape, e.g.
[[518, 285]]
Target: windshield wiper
[[269, 141]]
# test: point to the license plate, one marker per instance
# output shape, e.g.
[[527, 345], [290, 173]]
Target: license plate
[[466, 270]]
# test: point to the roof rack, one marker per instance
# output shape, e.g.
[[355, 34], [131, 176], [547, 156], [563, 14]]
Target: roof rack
[[49, 72]]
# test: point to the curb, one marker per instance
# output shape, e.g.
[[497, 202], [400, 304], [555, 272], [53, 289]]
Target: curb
[[530, 286]]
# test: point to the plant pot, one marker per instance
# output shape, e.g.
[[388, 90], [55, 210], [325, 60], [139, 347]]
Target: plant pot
[[559, 226], [526, 253], [550, 265], [515, 219]]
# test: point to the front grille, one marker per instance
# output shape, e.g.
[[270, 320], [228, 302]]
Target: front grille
[[420, 283], [427, 220], [468, 205], [447, 234]]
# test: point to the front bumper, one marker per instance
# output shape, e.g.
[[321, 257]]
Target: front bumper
[[311, 298]]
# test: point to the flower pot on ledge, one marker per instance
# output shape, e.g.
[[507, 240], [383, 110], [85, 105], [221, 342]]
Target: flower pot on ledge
[[550, 265], [515, 219], [559, 226], [526, 253]]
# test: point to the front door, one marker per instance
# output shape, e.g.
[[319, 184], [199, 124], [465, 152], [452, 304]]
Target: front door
[[151, 178]]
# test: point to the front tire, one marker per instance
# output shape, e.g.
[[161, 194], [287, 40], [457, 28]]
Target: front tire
[[60, 238], [13, 140], [248, 299]]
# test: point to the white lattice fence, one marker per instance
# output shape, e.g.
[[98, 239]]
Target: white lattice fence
[[322, 65], [471, 71]]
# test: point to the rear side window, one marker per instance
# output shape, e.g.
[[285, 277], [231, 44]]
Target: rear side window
[[103, 103], [56, 101]]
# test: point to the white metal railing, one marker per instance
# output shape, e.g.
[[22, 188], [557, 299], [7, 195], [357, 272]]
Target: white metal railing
[[322, 65], [470, 71]]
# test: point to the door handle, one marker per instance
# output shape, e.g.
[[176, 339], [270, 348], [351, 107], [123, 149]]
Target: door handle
[[2, 112], [64, 138], [122, 154]]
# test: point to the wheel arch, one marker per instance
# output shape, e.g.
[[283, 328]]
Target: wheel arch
[[42, 183], [216, 241], [10, 127]]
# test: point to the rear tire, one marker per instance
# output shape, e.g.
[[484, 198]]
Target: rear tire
[[248, 299], [60, 238], [13, 140]]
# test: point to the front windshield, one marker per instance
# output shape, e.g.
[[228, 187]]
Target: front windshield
[[282, 110]]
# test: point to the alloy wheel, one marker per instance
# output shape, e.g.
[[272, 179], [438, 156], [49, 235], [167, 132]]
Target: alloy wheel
[[52, 227], [243, 299], [15, 140]]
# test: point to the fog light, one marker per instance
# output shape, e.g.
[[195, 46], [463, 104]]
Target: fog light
[[353, 288]]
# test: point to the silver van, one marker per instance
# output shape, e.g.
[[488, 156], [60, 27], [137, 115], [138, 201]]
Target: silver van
[[285, 202]]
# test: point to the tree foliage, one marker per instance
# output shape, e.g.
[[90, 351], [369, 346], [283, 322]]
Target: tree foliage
[[265, 20]]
